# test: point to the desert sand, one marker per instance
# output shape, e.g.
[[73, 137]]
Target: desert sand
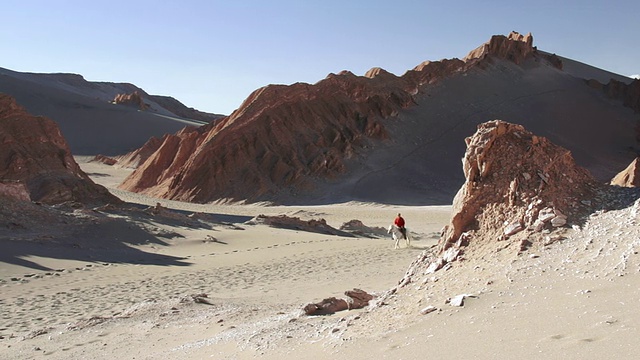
[[236, 291], [250, 273]]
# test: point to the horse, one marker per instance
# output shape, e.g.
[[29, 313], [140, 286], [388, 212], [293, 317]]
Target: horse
[[396, 234]]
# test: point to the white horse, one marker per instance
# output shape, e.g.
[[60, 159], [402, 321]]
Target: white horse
[[396, 234]]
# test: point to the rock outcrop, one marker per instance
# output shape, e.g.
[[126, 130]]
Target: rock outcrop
[[133, 99], [629, 177], [517, 184], [515, 47], [35, 159], [284, 138]]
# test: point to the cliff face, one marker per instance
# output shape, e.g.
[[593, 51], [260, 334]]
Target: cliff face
[[35, 161], [288, 137], [515, 47]]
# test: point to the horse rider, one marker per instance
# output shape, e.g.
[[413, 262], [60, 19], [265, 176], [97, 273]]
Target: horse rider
[[399, 222]]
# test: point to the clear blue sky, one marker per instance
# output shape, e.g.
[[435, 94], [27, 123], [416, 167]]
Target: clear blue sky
[[212, 54]]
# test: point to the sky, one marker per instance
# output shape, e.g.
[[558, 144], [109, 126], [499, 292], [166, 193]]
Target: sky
[[211, 55]]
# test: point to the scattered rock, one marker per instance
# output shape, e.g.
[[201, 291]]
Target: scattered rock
[[458, 300], [428, 309], [356, 299]]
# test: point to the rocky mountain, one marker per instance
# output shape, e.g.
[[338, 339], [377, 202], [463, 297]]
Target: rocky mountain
[[88, 113], [36, 163], [387, 138]]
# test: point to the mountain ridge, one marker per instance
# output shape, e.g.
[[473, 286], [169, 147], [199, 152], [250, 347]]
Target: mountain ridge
[[337, 140]]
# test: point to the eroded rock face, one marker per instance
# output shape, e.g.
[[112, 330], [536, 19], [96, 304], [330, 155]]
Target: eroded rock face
[[516, 183], [285, 137], [34, 157], [515, 47], [281, 136], [629, 177]]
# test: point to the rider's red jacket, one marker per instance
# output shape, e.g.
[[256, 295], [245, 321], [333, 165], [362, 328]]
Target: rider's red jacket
[[399, 221]]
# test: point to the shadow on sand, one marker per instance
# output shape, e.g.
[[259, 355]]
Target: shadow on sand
[[111, 236]]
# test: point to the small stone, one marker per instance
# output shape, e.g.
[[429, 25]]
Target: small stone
[[457, 300], [546, 214], [513, 228], [428, 309], [559, 221]]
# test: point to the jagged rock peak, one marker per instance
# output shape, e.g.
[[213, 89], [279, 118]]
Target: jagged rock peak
[[514, 47], [516, 182], [629, 177], [528, 39]]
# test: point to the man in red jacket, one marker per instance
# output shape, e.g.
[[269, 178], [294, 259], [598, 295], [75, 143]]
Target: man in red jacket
[[399, 222]]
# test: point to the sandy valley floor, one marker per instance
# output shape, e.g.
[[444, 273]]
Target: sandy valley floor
[[575, 299]]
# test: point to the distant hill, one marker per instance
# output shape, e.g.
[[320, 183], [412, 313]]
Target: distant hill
[[391, 139], [89, 120]]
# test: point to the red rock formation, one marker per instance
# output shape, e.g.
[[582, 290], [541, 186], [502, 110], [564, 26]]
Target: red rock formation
[[34, 154], [139, 156], [515, 47], [285, 137], [356, 299], [516, 182], [281, 136], [629, 177], [134, 99]]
